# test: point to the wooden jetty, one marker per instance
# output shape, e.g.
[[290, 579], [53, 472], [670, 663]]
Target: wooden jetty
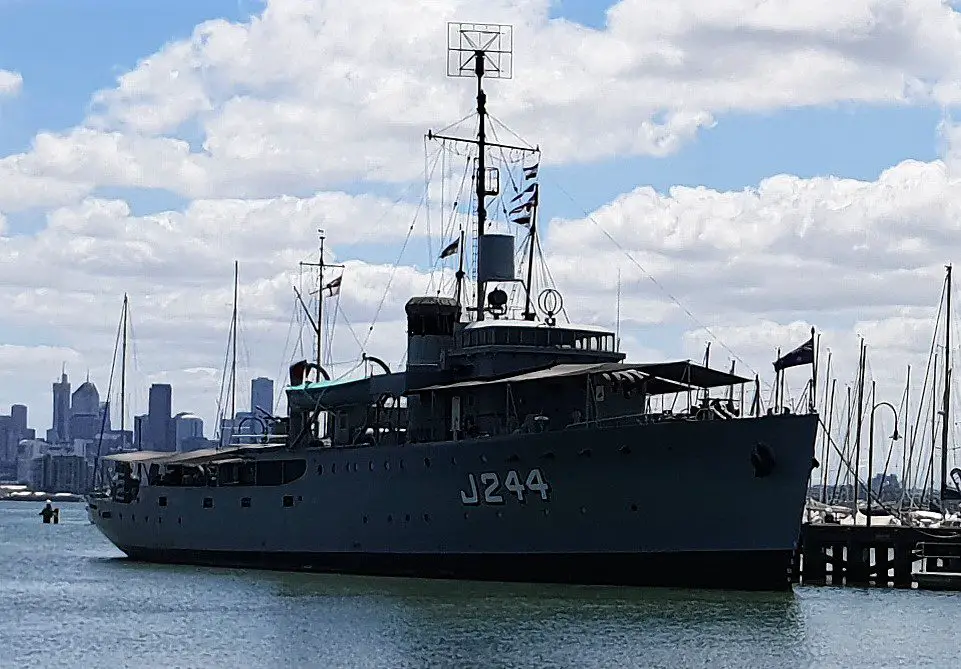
[[882, 556]]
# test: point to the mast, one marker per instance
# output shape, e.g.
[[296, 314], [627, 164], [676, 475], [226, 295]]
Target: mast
[[233, 362], [528, 312], [857, 437], [481, 175], [320, 301], [946, 408], [123, 368], [481, 50], [460, 268]]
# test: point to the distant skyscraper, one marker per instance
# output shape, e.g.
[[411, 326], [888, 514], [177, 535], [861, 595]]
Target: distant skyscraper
[[187, 427], [140, 430], [261, 395], [18, 419], [159, 424], [61, 409], [85, 420]]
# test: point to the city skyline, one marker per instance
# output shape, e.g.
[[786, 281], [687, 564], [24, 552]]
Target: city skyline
[[62, 410]]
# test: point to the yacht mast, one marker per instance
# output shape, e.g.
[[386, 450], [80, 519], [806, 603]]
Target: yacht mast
[[946, 407], [233, 362], [320, 301], [123, 368]]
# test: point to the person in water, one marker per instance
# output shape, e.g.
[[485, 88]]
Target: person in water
[[47, 512]]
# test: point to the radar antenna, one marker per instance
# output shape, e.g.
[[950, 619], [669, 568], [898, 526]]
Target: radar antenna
[[479, 50]]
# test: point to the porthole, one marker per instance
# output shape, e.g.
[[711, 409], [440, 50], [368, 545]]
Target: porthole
[[427, 462], [453, 461], [426, 517], [633, 507], [320, 469], [407, 518], [370, 465], [387, 465], [365, 520], [333, 467]]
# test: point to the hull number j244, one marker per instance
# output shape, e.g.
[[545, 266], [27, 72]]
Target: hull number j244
[[487, 487]]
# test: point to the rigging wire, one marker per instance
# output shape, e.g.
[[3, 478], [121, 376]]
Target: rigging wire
[[393, 269]]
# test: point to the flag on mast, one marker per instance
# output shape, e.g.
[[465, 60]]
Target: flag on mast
[[333, 288], [450, 249], [802, 355]]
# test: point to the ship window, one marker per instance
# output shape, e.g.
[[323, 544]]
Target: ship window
[[245, 502], [208, 502], [288, 500], [162, 501]]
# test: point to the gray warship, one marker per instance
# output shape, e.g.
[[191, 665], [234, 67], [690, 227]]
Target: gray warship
[[507, 448]]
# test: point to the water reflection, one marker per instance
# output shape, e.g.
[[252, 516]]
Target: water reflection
[[418, 623]]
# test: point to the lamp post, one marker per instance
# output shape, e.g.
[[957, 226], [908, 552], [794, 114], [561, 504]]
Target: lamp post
[[894, 437]]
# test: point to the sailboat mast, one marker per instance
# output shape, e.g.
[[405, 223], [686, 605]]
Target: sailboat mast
[[481, 176], [320, 302], [233, 362], [946, 408], [123, 368]]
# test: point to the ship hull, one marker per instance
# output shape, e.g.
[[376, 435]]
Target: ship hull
[[680, 503], [740, 570]]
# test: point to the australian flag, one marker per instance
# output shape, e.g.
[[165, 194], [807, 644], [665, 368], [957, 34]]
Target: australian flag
[[802, 355]]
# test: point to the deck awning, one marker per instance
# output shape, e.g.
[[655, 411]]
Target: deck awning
[[199, 456], [660, 378], [139, 456]]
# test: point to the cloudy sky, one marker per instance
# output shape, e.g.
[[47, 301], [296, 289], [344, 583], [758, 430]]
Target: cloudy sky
[[750, 168]]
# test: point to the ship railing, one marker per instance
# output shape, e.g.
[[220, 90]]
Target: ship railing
[[650, 417]]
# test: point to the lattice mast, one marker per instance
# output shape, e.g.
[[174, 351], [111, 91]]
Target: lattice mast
[[480, 50]]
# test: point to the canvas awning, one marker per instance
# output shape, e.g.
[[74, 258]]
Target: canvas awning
[[660, 378]]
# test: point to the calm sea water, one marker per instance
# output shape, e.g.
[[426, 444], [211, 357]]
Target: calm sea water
[[68, 599]]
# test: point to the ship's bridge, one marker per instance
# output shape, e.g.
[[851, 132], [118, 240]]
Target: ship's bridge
[[536, 335], [497, 347]]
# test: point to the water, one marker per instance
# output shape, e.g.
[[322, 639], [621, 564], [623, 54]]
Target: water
[[67, 599]]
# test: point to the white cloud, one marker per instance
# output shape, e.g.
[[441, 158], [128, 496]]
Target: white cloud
[[268, 128], [310, 94], [10, 83]]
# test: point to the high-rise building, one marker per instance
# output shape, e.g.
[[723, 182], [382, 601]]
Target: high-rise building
[[140, 430], [85, 420], [187, 428], [261, 395], [160, 434], [18, 418], [61, 410]]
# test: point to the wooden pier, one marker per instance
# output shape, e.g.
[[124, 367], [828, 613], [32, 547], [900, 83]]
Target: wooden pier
[[885, 556]]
